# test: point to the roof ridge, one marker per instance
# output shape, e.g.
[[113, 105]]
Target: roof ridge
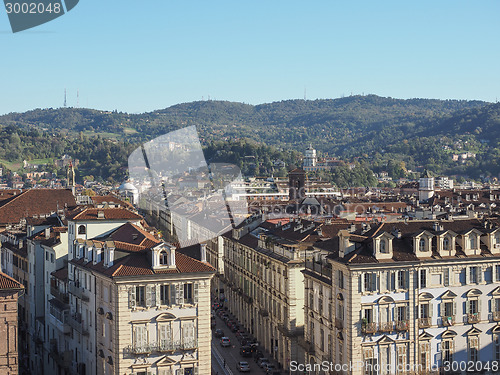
[[118, 269], [14, 198]]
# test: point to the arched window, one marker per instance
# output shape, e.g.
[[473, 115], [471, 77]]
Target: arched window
[[163, 257], [446, 243], [383, 246], [82, 229], [472, 242], [421, 245]]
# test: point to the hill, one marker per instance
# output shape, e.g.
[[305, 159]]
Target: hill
[[372, 129]]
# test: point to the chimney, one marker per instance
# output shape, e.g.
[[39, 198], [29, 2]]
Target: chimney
[[47, 232], [100, 214], [203, 252]]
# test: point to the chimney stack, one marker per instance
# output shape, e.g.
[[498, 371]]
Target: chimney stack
[[203, 252]]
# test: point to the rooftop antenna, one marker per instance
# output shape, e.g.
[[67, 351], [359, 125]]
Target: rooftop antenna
[[305, 92], [64, 98], [77, 98]]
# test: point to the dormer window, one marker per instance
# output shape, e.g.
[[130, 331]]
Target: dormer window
[[163, 258], [446, 243], [421, 245], [383, 247], [472, 242]]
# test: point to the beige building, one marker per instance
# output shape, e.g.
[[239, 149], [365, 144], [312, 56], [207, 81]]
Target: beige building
[[416, 297], [152, 305]]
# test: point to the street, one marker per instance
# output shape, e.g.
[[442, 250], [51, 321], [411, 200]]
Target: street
[[230, 354]]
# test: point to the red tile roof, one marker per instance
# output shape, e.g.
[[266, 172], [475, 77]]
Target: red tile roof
[[138, 264], [7, 283], [87, 214], [34, 202]]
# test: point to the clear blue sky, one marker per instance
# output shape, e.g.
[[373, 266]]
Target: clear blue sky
[[137, 56]]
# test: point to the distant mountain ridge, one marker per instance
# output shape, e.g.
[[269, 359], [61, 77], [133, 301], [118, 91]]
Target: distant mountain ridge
[[419, 132]]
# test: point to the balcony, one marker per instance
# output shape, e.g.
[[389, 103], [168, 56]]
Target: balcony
[[62, 358], [386, 327], [402, 325], [162, 347], [369, 327], [76, 322], [78, 291], [495, 315], [306, 345], [448, 320], [473, 318], [424, 322], [63, 297], [339, 323]]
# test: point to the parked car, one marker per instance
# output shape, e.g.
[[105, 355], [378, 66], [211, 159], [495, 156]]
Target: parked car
[[219, 333], [243, 366], [258, 354], [225, 342], [246, 351], [234, 327], [262, 361], [269, 368]]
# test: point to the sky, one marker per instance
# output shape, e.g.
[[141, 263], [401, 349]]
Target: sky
[[137, 56]]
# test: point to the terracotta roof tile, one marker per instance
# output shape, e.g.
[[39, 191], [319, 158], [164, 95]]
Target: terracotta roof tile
[[34, 202], [7, 282], [87, 214]]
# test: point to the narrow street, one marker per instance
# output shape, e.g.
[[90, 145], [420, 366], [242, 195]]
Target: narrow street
[[230, 354]]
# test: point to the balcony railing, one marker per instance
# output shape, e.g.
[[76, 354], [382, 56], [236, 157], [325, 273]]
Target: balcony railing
[[402, 325], [473, 318], [386, 327], [162, 347], [63, 297], [369, 327], [424, 322], [495, 316], [448, 320], [62, 358], [77, 291], [76, 322]]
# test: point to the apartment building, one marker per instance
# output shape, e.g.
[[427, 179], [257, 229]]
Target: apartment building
[[264, 283], [151, 306], [415, 297]]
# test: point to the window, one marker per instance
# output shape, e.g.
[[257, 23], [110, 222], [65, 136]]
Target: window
[[424, 355], [383, 247], [368, 315], [140, 296], [401, 359], [165, 294], [423, 278], [82, 229], [473, 348], [369, 361], [474, 275], [446, 277], [472, 242], [341, 279], [163, 257], [496, 344], [322, 339], [473, 306], [402, 280], [401, 313], [446, 243], [424, 310], [496, 273], [140, 337], [448, 309], [421, 244], [370, 282], [165, 335], [447, 351], [311, 332]]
